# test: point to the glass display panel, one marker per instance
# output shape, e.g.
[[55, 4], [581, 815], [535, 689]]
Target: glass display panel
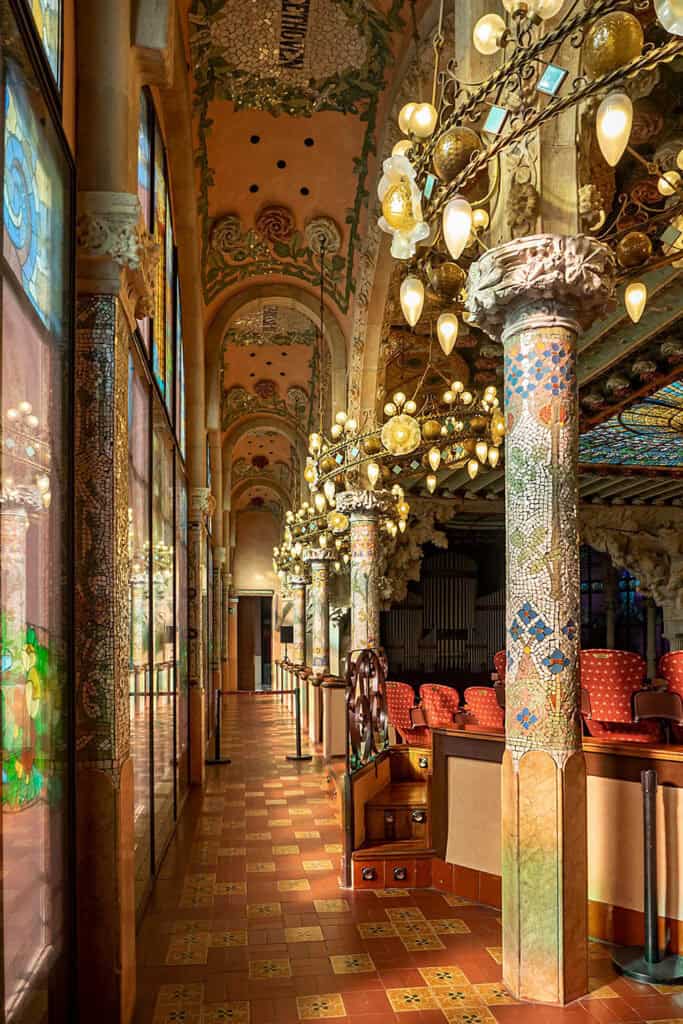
[[180, 385], [34, 547], [160, 212], [170, 312], [163, 590], [182, 702], [145, 189], [140, 675]]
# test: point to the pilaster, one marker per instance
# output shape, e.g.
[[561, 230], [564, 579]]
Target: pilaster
[[298, 588], [319, 560], [533, 295], [364, 509], [197, 588]]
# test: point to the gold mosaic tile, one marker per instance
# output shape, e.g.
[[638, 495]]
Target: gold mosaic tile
[[405, 999], [264, 909], [294, 792], [217, 1013], [404, 914], [294, 885], [386, 894], [277, 802], [376, 930], [425, 940], [228, 939], [598, 990], [444, 977], [457, 995], [192, 948], [230, 888], [256, 813], [280, 822], [326, 822], [496, 953], [320, 1007], [181, 995], [331, 906], [232, 851], [300, 812], [257, 836], [456, 901], [198, 891], [264, 969], [495, 994], [314, 933], [450, 926], [188, 927], [260, 867], [334, 848], [307, 835], [285, 851], [317, 865], [469, 1015], [352, 963]]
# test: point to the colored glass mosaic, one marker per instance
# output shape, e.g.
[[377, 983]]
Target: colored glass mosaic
[[648, 433]]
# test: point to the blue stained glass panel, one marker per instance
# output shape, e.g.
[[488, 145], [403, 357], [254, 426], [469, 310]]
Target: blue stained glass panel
[[47, 15], [648, 433], [144, 162], [33, 208]]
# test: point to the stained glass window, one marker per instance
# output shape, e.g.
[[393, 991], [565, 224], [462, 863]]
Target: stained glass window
[[648, 433], [160, 221], [145, 160], [33, 207], [180, 395], [35, 370], [47, 15], [168, 301]]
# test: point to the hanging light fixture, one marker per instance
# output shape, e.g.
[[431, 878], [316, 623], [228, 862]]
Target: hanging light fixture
[[329, 489], [431, 482], [404, 116], [457, 225], [472, 468], [423, 120], [373, 473], [635, 298], [434, 458], [670, 15], [488, 34], [447, 331], [493, 456], [613, 125], [412, 296]]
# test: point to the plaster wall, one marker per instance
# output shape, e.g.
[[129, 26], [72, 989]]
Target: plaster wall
[[615, 834], [256, 534]]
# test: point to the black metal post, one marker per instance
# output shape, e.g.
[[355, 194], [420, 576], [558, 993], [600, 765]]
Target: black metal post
[[217, 759], [646, 964], [297, 710]]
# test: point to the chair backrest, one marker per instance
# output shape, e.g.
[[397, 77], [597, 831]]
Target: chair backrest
[[400, 699], [671, 669], [499, 663], [611, 678], [484, 708], [439, 704]]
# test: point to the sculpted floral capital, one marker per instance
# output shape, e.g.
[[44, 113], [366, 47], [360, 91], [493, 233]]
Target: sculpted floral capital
[[319, 555], [364, 502], [553, 275]]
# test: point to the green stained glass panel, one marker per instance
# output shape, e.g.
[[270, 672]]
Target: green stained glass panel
[[47, 15]]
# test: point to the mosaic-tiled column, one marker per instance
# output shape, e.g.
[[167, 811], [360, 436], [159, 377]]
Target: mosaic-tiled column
[[217, 617], [298, 588], [364, 509], [319, 560], [233, 612], [226, 579], [196, 611], [533, 295]]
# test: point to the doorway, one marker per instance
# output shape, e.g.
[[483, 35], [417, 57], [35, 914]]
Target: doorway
[[254, 642]]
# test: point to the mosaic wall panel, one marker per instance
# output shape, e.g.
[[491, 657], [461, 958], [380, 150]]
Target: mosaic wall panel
[[319, 589], [102, 572], [542, 541]]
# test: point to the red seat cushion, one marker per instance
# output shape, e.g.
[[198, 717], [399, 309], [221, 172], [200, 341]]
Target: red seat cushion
[[611, 678], [400, 699], [439, 704], [671, 669], [485, 711], [647, 731], [500, 664]]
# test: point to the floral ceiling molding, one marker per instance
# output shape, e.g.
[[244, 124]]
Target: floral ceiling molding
[[234, 252], [287, 58], [271, 325], [238, 402]]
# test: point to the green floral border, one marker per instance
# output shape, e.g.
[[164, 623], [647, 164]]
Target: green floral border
[[355, 91]]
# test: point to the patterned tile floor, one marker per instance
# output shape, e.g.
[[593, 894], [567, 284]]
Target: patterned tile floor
[[248, 923]]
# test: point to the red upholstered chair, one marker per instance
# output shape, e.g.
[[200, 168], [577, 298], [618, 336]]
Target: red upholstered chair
[[483, 707], [439, 704], [671, 669], [400, 702], [610, 678], [499, 663]]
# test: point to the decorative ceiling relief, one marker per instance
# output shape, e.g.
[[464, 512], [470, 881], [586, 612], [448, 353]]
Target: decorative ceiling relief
[[237, 402], [271, 325], [233, 253], [296, 58]]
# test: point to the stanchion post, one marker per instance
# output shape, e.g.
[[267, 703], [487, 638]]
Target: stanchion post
[[297, 708], [646, 964], [217, 759]]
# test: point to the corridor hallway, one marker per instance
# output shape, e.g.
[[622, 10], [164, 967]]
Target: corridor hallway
[[248, 923]]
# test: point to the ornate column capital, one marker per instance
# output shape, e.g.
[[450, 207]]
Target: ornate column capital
[[297, 581], [199, 503], [219, 556], [319, 555], [364, 503], [109, 230], [540, 280]]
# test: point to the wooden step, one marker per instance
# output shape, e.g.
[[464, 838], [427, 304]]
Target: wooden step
[[402, 848], [401, 794]]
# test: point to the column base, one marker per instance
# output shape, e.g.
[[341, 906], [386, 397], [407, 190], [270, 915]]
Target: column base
[[545, 898], [106, 895], [197, 735]]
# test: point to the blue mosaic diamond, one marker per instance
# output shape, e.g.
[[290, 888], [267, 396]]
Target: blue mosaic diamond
[[429, 186], [495, 119], [527, 613], [556, 662], [570, 629], [540, 630], [516, 631], [526, 719]]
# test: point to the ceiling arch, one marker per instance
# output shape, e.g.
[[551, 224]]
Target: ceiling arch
[[248, 425], [263, 482]]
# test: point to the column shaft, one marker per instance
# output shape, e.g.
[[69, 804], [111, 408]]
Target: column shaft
[[232, 642], [299, 601], [197, 585], [320, 601], [532, 294], [364, 509]]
